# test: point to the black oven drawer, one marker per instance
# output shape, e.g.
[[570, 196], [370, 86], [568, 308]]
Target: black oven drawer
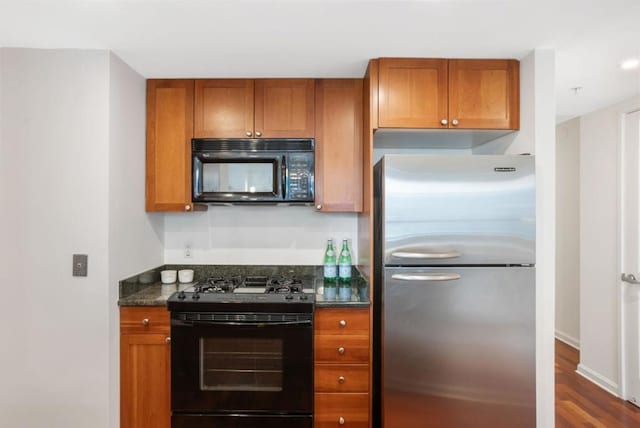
[[240, 421]]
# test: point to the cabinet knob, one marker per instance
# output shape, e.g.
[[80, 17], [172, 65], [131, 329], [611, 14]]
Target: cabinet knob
[[455, 122], [187, 207], [444, 122], [248, 133], [319, 206], [341, 379], [341, 420], [343, 323], [145, 321], [341, 350], [167, 339], [258, 134]]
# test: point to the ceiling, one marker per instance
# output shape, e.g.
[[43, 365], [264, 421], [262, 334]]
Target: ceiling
[[335, 38]]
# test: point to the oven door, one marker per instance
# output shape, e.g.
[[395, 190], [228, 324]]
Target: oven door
[[228, 363], [238, 177]]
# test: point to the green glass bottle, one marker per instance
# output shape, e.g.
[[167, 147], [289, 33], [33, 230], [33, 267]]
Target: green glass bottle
[[344, 263], [330, 271]]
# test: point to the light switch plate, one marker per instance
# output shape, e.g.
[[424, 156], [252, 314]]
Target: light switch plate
[[80, 262]]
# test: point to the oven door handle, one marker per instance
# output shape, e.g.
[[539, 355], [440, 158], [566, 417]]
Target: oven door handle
[[248, 324]]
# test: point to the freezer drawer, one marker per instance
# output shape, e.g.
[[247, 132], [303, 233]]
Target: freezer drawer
[[457, 210], [458, 347]]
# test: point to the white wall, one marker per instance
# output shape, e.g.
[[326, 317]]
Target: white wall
[[71, 181], [55, 172], [568, 232], [599, 247], [256, 235], [135, 237]]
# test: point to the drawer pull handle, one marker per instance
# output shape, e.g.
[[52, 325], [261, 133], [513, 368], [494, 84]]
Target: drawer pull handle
[[341, 420], [341, 350], [167, 339], [341, 379], [145, 322], [343, 323]]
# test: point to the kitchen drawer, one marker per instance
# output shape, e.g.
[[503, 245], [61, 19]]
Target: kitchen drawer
[[341, 349], [342, 321], [141, 319], [341, 411], [341, 378]]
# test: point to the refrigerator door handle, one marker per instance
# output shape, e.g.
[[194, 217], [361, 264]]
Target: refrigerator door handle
[[630, 278], [419, 255], [426, 276]]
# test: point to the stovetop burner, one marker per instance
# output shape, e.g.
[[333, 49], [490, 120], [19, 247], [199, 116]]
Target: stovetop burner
[[218, 285]]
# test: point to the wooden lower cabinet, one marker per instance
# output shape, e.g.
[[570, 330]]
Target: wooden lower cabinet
[[145, 368], [342, 371], [341, 410]]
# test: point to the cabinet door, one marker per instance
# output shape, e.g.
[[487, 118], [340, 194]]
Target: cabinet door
[[169, 133], [484, 94], [145, 381], [284, 108], [341, 410], [223, 108], [338, 174], [412, 93]]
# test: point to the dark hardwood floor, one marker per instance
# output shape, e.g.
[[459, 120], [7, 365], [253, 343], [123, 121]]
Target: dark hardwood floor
[[579, 403]]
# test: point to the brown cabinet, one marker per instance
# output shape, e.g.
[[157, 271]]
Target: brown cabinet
[[342, 373], [484, 94], [223, 108], [169, 133], [442, 93], [145, 368], [247, 108], [338, 134]]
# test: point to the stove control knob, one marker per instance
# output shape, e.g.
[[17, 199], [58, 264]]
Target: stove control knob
[[304, 297], [195, 296], [181, 295], [289, 297]]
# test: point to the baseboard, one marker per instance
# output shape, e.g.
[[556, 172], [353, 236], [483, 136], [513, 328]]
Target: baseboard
[[601, 381], [569, 340]]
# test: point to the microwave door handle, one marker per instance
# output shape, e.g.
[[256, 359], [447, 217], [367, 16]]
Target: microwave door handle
[[284, 177]]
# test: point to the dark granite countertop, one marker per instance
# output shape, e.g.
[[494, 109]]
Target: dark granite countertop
[[145, 289]]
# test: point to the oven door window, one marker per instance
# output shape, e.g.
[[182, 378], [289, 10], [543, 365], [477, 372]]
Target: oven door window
[[237, 364], [250, 176]]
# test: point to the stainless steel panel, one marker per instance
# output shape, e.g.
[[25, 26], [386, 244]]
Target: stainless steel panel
[[458, 347], [458, 210]]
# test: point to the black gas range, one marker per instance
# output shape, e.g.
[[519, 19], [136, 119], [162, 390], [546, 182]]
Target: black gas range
[[242, 353]]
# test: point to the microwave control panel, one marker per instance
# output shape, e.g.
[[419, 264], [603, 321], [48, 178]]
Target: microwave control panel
[[300, 176]]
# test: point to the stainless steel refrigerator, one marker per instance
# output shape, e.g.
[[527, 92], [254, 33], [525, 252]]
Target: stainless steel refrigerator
[[454, 291]]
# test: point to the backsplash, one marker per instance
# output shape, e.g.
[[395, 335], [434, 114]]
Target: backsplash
[[291, 235]]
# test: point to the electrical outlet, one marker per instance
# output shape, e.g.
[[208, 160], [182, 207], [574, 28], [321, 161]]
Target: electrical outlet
[[80, 264], [187, 252]]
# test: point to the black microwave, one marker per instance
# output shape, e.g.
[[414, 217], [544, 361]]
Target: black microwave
[[263, 170]]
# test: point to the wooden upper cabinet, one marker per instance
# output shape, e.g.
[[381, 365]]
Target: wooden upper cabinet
[[247, 108], [448, 93], [169, 133], [484, 94], [412, 93], [223, 108], [339, 145], [284, 108]]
